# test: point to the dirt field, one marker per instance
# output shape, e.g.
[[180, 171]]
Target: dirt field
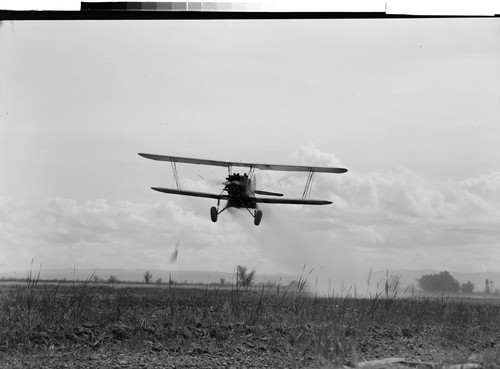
[[98, 326]]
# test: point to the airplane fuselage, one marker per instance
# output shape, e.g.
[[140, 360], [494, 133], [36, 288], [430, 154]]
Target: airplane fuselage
[[241, 191]]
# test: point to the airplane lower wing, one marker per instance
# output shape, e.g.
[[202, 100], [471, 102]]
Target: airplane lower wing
[[255, 199], [191, 193], [267, 193], [291, 201]]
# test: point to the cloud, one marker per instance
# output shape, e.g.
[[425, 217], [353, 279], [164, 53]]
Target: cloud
[[404, 193], [391, 219], [100, 233], [381, 220], [310, 155], [94, 233]]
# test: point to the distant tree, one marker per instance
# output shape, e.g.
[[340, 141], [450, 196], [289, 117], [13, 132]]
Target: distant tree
[[112, 279], [270, 284], [487, 289], [244, 278], [147, 277], [467, 287], [241, 272], [96, 278], [442, 282], [222, 281]]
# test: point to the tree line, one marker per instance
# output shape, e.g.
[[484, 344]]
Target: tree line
[[444, 282]]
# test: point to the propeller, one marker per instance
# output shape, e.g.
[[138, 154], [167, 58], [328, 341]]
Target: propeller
[[232, 182]]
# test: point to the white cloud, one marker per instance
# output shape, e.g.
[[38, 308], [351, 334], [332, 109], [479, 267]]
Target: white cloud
[[399, 214], [383, 220], [310, 155]]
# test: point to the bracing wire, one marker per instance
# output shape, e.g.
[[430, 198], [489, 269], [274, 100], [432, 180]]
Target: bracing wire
[[283, 179], [199, 175]]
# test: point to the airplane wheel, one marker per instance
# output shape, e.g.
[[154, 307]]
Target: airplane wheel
[[258, 217], [213, 213]]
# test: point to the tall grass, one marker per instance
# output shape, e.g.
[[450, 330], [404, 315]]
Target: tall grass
[[339, 329]]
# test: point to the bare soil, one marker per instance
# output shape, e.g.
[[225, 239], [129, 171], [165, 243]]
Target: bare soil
[[103, 327]]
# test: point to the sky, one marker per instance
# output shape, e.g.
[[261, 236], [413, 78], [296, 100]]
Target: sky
[[409, 106]]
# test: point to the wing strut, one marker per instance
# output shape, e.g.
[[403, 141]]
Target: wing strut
[[176, 175], [251, 172], [307, 190]]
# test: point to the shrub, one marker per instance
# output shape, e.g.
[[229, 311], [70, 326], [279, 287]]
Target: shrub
[[467, 287], [442, 282]]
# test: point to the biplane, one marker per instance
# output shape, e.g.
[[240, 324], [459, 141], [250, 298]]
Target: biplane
[[240, 189]]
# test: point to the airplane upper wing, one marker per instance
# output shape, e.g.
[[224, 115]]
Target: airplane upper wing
[[291, 201], [219, 163], [190, 193]]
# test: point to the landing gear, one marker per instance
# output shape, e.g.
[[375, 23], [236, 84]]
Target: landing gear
[[214, 213], [256, 214], [257, 217]]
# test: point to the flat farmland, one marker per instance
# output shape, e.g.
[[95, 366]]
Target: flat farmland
[[87, 325]]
